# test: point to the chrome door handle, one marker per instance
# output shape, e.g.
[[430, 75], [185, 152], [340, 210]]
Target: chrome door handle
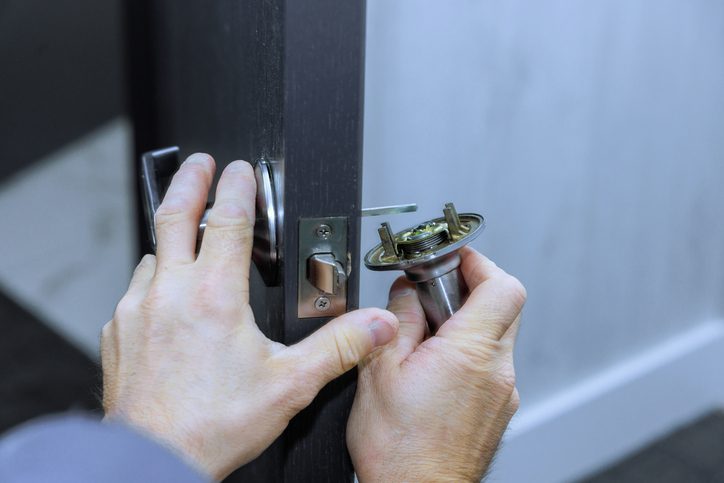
[[157, 169]]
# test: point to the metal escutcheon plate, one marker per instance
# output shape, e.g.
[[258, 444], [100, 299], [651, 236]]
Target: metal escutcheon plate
[[269, 219]]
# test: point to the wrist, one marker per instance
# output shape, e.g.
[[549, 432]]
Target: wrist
[[396, 466], [418, 473]]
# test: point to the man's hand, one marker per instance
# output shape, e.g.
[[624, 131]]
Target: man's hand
[[436, 409], [183, 358]]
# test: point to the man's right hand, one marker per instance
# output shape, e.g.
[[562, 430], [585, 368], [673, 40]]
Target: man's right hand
[[435, 409]]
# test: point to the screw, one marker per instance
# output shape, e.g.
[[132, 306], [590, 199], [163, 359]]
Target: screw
[[323, 232], [322, 304]]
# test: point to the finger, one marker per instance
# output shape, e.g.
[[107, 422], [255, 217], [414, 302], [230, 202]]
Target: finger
[[142, 277], [342, 344], [476, 267], [107, 349], [490, 310], [229, 231], [404, 303], [137, 289], [177, 218]]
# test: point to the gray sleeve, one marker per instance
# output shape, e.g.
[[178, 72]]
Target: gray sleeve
[[80, 449]]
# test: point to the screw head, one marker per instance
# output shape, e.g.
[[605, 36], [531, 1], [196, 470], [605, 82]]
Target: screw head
[[323, 231], [322, 304]]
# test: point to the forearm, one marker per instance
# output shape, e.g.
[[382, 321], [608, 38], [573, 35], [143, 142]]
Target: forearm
[[81, 449]]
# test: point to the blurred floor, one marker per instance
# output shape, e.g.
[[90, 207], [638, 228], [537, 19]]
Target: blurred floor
[[693, 454], [41, 372]]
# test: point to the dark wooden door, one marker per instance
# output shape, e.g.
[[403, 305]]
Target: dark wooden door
[[284, 80]]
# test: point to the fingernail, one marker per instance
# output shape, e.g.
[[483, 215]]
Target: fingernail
[[382, 332], [403, 292]]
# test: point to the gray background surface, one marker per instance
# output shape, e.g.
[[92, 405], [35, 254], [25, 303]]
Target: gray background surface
[[590, 135]]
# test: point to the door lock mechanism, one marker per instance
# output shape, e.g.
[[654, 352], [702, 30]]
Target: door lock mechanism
[[326, 273], [428, 254], [324, 265], [325, 262]]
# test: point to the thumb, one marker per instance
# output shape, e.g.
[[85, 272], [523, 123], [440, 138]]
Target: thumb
[[342, 343]]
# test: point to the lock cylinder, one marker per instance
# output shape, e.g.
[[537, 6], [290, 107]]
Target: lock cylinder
[[429, 255]]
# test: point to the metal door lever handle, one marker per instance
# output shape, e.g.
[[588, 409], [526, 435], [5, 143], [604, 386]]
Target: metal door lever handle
[[159, 166], [157, 169]]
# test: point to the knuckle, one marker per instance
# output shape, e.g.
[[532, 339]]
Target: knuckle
[[125, 309], [298, 397], [514, 402], [514, 290], [231, 213], [504, 381], [228, 236], [211, 299], [210, 305], [208, 299], [478, 353], [348, 352], [172, 211], [183, 195], [408, 314], [293, 390], [154, 302]]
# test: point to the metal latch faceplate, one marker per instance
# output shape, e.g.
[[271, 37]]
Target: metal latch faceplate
[[323, 267]]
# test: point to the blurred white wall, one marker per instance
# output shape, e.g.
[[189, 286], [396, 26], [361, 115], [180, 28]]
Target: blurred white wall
[[590, 135]]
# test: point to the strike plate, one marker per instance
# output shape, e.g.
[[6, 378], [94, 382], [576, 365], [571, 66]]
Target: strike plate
[[319, 236]]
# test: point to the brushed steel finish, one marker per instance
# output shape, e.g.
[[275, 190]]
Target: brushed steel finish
[[389, 210], [442, 296], [323, 268], [326, 273], [269, 221], [428, 253]]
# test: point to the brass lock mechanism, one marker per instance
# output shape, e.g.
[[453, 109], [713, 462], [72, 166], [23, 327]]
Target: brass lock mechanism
[[429, 255]]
